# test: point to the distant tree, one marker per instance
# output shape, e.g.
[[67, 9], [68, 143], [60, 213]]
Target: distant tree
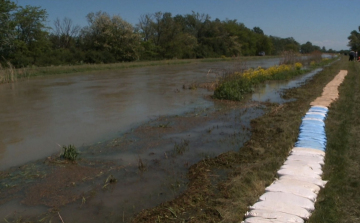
[[145, 26], [112, 37], [65, 32], [354, 40], [258, 30], [284, 44], [7, 35], [307, 47], [31, 35]]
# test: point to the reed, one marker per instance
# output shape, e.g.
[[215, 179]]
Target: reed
[[8, 74]]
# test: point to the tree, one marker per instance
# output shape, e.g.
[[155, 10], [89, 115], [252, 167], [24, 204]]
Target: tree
[[308, 47], [258, 30], [7, 27], [112, 36], [31, 35], [354, 40], [65, 32]]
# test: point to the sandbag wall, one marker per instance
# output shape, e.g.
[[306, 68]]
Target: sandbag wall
[[292, 196]]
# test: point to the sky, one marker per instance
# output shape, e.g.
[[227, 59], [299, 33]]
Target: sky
[[325, 23]]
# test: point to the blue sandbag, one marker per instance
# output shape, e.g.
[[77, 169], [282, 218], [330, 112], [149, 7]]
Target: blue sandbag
[[315, 116], [310, 144], [319, 108]]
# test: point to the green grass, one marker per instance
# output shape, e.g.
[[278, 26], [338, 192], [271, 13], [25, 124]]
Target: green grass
[[69, 153], [340, 200]]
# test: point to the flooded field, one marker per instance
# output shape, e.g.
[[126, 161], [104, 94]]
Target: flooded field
[[141, 128], [40, 114]]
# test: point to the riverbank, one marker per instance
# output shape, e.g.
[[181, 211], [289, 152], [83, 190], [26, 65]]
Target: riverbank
[[11, 74], [254, 166], [214, 189]]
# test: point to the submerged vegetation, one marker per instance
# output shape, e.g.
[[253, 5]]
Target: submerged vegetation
[[234, 85], [69, 153]]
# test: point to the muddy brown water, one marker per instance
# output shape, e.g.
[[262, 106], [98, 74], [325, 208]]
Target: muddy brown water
[[123, 117], [40, 114]]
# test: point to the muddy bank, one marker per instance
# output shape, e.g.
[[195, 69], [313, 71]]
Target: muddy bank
[[144, 167]]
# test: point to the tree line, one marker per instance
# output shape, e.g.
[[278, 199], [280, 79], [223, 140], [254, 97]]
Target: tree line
[[26, 40]]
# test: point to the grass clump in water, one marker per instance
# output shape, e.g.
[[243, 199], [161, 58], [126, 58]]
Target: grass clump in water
[[69, 153], [234, 86], [181, 148]]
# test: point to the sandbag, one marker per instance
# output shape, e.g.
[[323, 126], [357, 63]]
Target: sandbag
[[282, 207], [302, 163], [302, 169], [315, 181], [301, 150], [311, 186], [309, 158], [276, 215], [288, 199], [283, 172], [261, 220], [293, 189]]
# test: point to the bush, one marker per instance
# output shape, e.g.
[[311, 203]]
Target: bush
[[69, 153]]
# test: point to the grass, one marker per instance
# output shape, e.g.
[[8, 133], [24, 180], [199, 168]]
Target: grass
[[248, 171], [181, 148], [69, 153], [340, 200]]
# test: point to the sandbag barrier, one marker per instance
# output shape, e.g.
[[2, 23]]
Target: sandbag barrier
[[291, 197]]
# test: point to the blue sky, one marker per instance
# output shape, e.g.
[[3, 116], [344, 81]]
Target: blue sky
[[322, 22]]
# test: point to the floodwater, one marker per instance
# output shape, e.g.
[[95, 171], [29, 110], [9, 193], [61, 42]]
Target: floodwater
[[124, 116], [40, 115]]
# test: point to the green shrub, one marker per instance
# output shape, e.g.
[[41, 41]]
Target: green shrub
[[69, 153]]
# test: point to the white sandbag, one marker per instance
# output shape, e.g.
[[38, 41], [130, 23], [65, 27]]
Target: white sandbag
[[302, 169], [313, 187], [276, 215], [303, 163], [288, 199], [261, 220], [293, 189], [307, 158], [298, 172], [315, 181], [301, 150], [282, 207]]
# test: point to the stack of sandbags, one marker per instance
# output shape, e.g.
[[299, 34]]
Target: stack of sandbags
[[330, 92], [292, 196]]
